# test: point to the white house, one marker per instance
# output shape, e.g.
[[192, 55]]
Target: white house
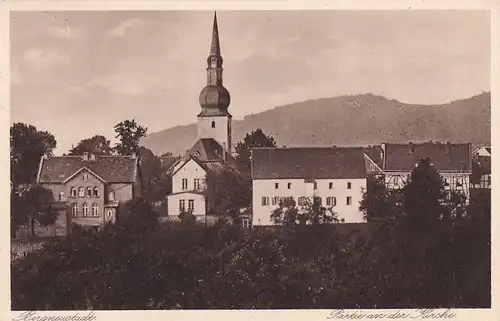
[[451, 160], [336, 177], [211, 152]]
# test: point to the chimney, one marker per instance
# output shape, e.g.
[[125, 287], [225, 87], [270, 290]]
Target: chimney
[[448, 148], [85, 156]]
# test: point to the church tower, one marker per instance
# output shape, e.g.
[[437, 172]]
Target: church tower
[[214, 121]]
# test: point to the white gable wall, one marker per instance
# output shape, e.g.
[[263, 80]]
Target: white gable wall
[[301, 188], [190, 171], [174, 201]]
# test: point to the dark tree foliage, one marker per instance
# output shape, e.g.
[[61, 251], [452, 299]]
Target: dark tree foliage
[[408, 261], [227, 191], [32, 205], [378, 203], [257, 138], [27, 146], [288, 213], [129, 134], [156, 183], [97, 145], [138, 216], [187, 218]]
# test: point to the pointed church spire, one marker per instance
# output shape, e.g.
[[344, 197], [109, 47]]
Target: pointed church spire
[[215, 46]]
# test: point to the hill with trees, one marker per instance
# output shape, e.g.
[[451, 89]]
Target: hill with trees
[[351, 120]]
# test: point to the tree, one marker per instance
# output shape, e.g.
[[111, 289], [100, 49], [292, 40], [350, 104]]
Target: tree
[[227, 191], [379, 204], [156, 182], [309, 212], [35, 205], [138, 217], [97, 145], [257, 138], [27, 146], [129, 133]]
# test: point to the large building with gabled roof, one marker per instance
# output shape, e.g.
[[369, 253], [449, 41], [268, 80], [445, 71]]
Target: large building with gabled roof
[[92, 187], [334, 177]]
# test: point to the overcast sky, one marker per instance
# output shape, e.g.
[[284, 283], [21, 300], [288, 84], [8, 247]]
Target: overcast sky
[[78, 74]]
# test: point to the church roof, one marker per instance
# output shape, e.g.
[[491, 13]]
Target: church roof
[[215, 45], [208, 153], [112, 169], [443, 156], [308, 163]]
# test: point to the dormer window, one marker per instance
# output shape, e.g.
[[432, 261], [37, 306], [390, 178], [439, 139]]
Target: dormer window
[[213, 124], [112, 195]]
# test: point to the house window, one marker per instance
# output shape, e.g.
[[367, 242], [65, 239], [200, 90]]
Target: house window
[[276, 185], [74, 209], [85, 209], [112, 195], [331, 201], [213, 124], [315, 185], [85, 177], [245, 222], [182, 205], [95, 209], [96, 192], [275, 200], [348, 200], [89, 192], [330, 185], [318, 200], [348, 185], [289, 185], [81, 192], [302, 200], [72, 192], [372, 168], [109, 214], [265, 201], [459, 182], [196, 183], [446, 182], [184, 184], [190, 205]]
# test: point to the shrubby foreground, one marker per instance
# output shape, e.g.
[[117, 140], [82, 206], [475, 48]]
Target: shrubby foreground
[[420, 249]]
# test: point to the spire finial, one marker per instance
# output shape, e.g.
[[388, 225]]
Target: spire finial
[[215, 47]]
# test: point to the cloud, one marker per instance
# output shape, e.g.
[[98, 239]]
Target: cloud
[[117, 84], [64, 32], [44, 57], [125, 26]]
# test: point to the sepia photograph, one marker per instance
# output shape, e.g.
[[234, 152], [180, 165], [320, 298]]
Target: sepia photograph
[[250, 160]]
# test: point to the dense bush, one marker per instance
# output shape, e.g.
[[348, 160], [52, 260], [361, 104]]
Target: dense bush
[[423, 253]]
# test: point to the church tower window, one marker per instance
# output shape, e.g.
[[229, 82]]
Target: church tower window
[[213, 124]]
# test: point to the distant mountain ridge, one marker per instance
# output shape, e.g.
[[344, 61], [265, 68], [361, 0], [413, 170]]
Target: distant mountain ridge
[[351, 121]]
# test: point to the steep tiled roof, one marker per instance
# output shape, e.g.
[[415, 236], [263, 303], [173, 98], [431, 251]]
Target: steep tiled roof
[[206, 150], [308, 163], [444, 156], [119, 169], [375, 154]]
